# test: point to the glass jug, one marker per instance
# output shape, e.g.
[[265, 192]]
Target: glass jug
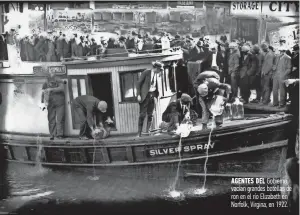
[[228, 112], [237, 109]]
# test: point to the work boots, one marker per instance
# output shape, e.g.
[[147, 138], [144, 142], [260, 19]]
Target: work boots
[[149, 124], [140, 128]]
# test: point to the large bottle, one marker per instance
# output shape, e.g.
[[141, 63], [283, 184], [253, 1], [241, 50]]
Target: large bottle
[[237, 109], [227, 115], [165, 45]]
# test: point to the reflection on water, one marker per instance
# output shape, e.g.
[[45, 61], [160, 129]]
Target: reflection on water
[[27, 183], [53, 190]]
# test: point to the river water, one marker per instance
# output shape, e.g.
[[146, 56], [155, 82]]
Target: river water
[[34, 190]]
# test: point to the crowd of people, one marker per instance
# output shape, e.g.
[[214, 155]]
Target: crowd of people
[[247, 67], [53, 47]]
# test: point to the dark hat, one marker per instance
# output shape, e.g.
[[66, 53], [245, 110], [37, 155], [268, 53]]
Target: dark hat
[[189, 37], [296, 47], [185, 98], [122, 38], [149, 39], [177, 36], [157, 64], [134, 33], [256, 49], [223, 38], [200, 43]]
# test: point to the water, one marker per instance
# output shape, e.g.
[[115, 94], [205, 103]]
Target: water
[[203, 189], [173, 192], [39, 170], [94, 177]]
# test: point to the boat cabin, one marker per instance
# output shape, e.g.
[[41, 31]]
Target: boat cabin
[[112, 79]]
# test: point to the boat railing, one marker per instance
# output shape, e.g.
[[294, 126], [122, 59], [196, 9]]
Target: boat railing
[[172, 50]]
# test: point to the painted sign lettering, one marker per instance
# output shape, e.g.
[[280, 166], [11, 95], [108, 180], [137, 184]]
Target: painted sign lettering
[[183, 149], [250, 7], [271, 8]]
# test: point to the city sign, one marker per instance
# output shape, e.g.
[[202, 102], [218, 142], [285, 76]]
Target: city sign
[[274, 8]]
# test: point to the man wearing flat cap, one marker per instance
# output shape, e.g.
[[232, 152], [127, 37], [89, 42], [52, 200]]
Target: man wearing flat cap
[[175, 113], [249, 65], [91, 115], [266, 73], [256, 79], [147, 93]]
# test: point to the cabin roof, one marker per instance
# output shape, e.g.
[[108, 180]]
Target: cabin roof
[[122, 61]]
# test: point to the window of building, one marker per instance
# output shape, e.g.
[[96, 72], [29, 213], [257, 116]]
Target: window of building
[[128, 82], [128, 16]]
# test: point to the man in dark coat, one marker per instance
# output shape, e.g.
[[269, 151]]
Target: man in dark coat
[[94, 47], [267, 73], [147, 92], [292, 163], [53, 94], [62, 47], [215, 62], [30, 51], [249, 65], [41, 49], [256, 83], [175, 112], [293, 85], [233, 67], [90, 112], [295, 62]]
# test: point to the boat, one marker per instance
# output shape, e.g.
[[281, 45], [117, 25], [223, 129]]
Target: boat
[[255, 146]]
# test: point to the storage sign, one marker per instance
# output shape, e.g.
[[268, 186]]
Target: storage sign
[[272, 8], [250, 8]]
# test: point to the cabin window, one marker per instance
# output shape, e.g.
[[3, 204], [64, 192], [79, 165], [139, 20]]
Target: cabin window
[[167, 78], [128, 82], [77, 87]]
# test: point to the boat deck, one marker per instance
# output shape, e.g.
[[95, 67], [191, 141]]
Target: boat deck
[[228, 125], [264, 108]]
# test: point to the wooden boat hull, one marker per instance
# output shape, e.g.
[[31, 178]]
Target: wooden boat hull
[[257, 147]]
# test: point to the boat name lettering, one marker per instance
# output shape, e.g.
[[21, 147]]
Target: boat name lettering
[[184, 149]]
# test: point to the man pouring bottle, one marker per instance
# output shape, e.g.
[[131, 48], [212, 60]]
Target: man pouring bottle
[[211, 96], [91, 113]]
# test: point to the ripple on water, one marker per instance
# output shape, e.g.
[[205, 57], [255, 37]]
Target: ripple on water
[[79, 186]]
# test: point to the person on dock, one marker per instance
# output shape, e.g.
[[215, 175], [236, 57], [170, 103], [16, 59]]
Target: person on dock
[[233, 67], [266, 73], [283, 68], [147, 92], [53, 97], [208, 86], [293, 86], [256, 84], [91, 113], [249, 64], [177, 111]]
